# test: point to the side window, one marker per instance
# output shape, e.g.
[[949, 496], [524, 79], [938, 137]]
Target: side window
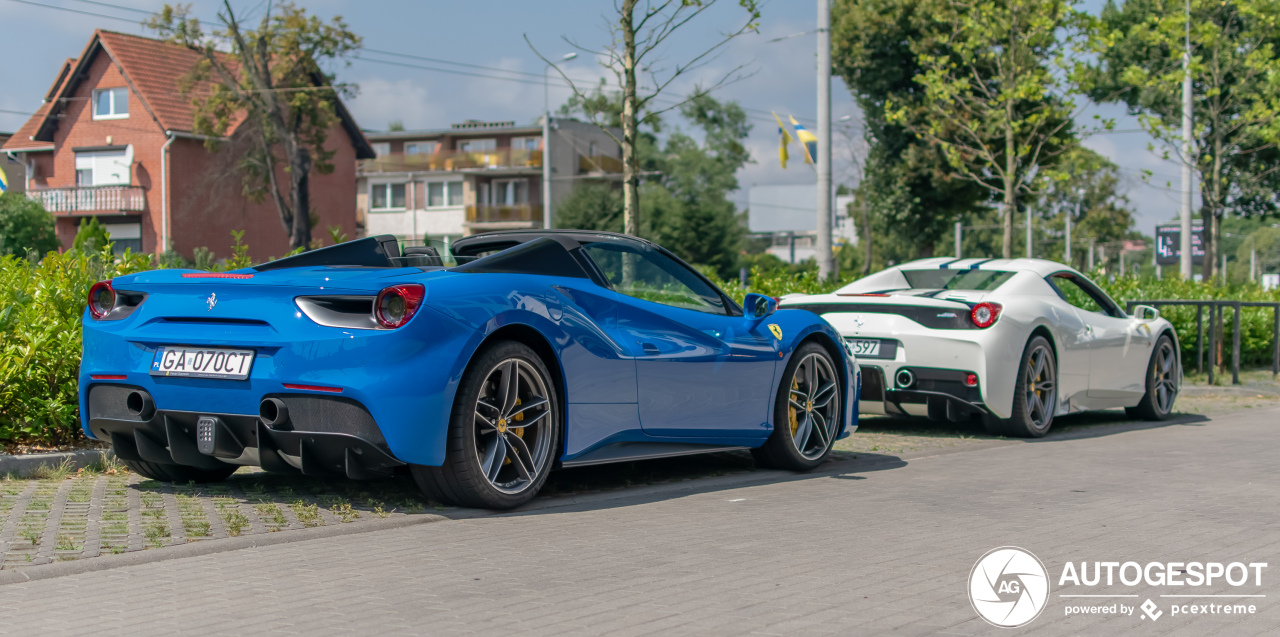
[[652, 276], [1079, 294]]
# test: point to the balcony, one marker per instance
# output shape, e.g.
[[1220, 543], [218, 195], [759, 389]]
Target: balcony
[[508, 158], [599, 164], [494, 217], [91, 199]]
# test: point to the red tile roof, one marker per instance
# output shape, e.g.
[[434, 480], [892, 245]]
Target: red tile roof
[[154, 69]]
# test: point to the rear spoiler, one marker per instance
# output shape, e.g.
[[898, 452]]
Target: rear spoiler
[[373, 252]]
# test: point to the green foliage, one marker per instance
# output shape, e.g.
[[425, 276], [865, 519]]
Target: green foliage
[[25, 227], [202, 258], [239, 252], [91, 236], [40, 309], [591, 207], [336, 235]]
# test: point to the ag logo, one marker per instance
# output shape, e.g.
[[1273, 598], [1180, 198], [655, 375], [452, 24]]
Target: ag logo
[[777, 331], [1008, 587]]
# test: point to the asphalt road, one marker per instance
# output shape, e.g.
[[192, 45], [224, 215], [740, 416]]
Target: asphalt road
[[867, 547]]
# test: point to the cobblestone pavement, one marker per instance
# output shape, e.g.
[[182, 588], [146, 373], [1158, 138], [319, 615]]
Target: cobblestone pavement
[[875, 547]]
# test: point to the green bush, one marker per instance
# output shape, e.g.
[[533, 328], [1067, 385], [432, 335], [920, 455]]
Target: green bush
[[25, 227], [90, 236], [40, 309]]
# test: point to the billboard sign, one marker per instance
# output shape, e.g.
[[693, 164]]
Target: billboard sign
[[1169, 244]]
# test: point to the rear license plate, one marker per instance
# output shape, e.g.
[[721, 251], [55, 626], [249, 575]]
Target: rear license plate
[[202, 362], [864, 347]]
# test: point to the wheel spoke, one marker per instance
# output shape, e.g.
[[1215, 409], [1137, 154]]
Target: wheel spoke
[[533, 402], [1038, 364], [1045, 385], [510, 385], [820, 426], [486, 425], [828, 390], [797, 392], [1166, 362], [529, 422], [810, 374], [494, 454], [802, 434], [520, 456], [796, 405]]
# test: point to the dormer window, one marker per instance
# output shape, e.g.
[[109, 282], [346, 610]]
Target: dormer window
[[111, 103]]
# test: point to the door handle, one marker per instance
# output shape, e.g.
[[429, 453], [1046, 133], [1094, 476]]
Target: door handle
[[649, 348]]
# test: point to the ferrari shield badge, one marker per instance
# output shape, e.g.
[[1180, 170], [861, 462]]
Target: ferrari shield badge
[[777, 331]]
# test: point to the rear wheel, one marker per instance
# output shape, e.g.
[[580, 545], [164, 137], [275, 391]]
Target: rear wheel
[[179, 473], [1163, 383], [1035, 395], [503, 433], [807, 413]]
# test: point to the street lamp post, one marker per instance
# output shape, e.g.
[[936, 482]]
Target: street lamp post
[[547, 221]]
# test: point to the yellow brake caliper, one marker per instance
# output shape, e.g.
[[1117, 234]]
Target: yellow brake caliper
[[519, 431]]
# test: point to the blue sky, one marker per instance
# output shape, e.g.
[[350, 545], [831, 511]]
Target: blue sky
[[489, 33]]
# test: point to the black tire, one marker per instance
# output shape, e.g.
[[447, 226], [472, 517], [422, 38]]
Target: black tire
[[179, 473], [1163, 382], [473, 473], [822, 395], [1034, 399]]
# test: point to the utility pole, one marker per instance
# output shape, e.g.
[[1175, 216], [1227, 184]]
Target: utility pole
[[1067, 251], [1028, 232], [826, 260], [547, 221], [959, 234], [1091, 251], [1185, 240]]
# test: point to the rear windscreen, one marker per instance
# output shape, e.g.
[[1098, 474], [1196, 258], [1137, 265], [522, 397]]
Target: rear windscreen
[[980, 280]]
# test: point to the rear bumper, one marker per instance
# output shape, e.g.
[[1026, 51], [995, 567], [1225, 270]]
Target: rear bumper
[[317, 435], [945, 388]]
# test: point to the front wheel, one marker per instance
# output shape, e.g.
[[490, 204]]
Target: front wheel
[[1163, 382], [806, 416], [1035, 395], [503, 432]]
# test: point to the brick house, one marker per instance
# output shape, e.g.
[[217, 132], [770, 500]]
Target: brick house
[[113, 140], [477, 176]]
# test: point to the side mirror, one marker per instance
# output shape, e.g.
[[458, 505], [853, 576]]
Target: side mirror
[[1145, 313], [758, 306]]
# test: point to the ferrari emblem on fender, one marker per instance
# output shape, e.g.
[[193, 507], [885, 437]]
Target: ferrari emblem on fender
[[212, 301], [777, 331]]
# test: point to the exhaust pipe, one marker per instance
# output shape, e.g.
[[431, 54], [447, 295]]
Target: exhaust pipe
[[140, 405], [904, 378], [274, 413]]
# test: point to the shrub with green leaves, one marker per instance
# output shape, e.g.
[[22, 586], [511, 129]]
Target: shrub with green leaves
[[41, 305], [25, 227]]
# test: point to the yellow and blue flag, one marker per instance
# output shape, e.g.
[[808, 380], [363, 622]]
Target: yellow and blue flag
[[4, 181], [807, 140], [784, 140]]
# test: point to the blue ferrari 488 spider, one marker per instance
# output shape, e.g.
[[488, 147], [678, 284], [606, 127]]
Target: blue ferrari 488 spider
[[479, 372]]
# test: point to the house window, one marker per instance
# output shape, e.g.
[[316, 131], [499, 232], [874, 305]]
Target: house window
[[420, 148], [477, 145], [441, 194], [124, 236], [510, 192], [381, 149], [592, 150], [103, 167], [111, 103], [386, 197], [526, 143]]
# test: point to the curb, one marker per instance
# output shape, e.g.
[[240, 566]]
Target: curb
[[27, 464]]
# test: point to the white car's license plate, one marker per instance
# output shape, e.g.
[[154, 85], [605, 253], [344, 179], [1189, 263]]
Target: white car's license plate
[[865, 347], [202, 362]]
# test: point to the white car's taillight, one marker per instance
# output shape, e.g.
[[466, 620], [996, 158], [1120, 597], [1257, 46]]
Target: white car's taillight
[[985, 314]]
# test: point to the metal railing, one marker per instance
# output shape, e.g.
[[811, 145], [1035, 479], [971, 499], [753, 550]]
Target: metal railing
[[1216, 324], [90, 198], [519, 213], [454, 160]]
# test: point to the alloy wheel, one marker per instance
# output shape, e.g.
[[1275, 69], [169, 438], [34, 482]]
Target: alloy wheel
[[1166, 377], [1042, 387], [513, 417], [814, 406]]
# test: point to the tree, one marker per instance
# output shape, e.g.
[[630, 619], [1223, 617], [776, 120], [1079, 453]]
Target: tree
[[91, 236], [636, 38], [1236, 100], [592, 207], [25, 227], [907, 189], [1091, 183], [273, 78], [997, 95]]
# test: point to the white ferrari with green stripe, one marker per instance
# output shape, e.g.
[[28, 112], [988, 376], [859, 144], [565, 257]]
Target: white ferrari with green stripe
[[1013, 341]]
